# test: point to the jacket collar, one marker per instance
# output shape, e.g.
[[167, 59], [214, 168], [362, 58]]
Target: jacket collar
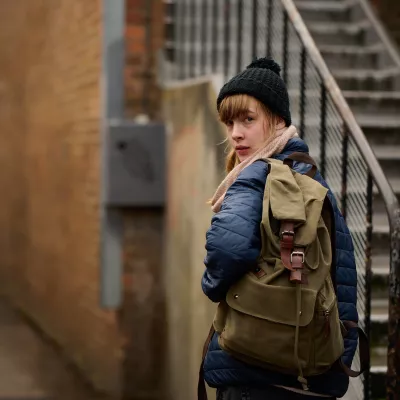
[[293, 145]]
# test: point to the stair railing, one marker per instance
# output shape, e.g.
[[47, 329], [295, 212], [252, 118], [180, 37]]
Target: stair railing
[[205, 37]]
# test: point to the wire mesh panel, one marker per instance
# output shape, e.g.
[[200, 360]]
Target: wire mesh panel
[[223, 37]]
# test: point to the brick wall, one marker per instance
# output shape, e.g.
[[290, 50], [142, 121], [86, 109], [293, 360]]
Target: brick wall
[[389, 13], [50, 59], [144, 38]]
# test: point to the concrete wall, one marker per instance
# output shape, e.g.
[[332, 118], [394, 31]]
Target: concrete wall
[[50, 60], [194, 171]]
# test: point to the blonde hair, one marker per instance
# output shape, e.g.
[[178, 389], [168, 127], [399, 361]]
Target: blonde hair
[[237, 106]]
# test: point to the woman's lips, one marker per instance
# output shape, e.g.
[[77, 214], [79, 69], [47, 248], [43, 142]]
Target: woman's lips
[[242, 151]]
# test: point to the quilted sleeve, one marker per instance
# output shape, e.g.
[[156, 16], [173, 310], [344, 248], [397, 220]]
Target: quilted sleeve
[[346, 277], [233, 242]]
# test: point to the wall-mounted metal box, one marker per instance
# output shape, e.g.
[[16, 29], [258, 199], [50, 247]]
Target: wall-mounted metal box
[[135, 165]]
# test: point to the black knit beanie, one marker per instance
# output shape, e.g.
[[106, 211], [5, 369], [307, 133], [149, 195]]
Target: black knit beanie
[[261, 79]]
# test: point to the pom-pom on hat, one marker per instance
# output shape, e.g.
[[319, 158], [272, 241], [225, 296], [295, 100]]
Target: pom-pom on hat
[[261, 79]]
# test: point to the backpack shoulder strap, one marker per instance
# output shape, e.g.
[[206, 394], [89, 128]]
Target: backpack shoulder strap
[[304, 158], [363, 343]]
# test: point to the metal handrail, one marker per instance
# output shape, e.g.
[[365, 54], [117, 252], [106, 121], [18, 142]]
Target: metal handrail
[[381, 31], [389, 197], [342, 106]]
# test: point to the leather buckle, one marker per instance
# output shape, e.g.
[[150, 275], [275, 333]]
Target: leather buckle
[[288, 233], [297, 253]]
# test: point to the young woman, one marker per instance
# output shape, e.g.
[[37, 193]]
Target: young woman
[[254, 106]]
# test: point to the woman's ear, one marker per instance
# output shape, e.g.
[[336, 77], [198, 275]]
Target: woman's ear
[[280, 123]]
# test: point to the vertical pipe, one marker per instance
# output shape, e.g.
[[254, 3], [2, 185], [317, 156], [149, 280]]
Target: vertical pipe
[[239, 36], [303, 77], [345, 151], [112, 93], [214, 36], [368, 278], [269, 27], [285, 46], [254, 30], [323, 129], [227, 38]]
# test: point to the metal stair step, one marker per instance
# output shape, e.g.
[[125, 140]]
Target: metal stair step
[[373, 109], [329, 10], [378, 332], [345, 56], [378, 382], [389, 158], [378, 371], [338, 33], [367, 79], [379, 103], [378, 356]]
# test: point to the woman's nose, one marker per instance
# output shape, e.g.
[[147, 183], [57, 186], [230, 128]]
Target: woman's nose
[[237, 132]]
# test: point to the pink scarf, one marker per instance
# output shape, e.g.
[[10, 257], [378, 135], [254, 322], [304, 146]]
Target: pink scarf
[[273, 146]]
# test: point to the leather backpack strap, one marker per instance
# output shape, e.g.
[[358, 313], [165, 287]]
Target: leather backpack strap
[[201, 386], [286, 243], [363, 350], [304, 158], [291, 256]]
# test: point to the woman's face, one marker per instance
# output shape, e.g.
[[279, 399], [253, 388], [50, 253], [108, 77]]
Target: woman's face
[[247, 132]]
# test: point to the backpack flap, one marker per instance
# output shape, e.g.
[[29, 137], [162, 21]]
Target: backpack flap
[[285, 197]]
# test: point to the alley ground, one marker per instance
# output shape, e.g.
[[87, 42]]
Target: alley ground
[[31, 368]]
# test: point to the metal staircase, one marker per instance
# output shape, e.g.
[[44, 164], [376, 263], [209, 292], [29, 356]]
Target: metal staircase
[[362, 62]]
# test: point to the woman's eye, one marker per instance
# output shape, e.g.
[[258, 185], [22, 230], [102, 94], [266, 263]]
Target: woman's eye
[[229, 123], [249, 119]]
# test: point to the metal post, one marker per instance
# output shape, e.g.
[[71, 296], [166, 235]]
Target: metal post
[[227, 37], [285, 46], [303, 77], [192, 39], [180, 39], [323, 129], [254, 30], [239, 36], [393, 372], [185, 38], [368, 276], [214, 36], [345, 156], [269, 26], [203, 28]]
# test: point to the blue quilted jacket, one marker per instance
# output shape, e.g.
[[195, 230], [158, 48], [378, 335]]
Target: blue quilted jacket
[[233, 246]]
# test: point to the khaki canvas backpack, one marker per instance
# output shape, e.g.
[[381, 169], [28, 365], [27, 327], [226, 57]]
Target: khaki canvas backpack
[[284, 315]]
